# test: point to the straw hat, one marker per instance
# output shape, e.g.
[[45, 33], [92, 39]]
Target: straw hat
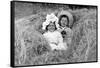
[[50, 18], [68, 14]]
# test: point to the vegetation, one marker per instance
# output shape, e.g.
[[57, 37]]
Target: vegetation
[[32, 49]]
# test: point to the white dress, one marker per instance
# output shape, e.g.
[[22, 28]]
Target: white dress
[[55, 40]]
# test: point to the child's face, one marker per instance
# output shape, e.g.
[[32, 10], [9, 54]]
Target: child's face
[[51, 27], [63, 21]]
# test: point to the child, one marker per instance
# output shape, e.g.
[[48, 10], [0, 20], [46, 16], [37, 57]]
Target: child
[[65, 19], [53, 36]]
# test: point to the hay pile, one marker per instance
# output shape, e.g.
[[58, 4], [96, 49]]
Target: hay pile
[[32, 49]]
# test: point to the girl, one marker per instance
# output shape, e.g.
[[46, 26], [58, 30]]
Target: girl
[[53, 36], [65, 22]]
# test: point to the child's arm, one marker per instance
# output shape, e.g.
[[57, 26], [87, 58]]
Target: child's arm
[[69, 35], [61, 44], [60, 39]]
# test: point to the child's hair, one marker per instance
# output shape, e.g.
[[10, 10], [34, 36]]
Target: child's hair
[[64, 16], [48, 25]]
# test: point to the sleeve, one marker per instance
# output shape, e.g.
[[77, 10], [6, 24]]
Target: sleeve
[[60, 39], [69, 35], [61, 44], [45, 38], [69, 32]]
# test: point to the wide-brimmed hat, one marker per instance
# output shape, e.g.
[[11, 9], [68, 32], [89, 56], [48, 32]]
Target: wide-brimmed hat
[[50, 18], [68, 14]]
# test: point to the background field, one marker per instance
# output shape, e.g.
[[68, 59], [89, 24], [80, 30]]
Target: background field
[[32, 49]]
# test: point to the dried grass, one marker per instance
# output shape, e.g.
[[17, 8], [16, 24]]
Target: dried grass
[[32, 49]]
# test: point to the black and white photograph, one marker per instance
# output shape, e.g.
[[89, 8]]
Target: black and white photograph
[[46, 33]]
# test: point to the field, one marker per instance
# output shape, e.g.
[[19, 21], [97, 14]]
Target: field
[[32, 49]]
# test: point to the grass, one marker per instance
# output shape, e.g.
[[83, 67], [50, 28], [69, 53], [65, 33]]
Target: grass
[[32, 49]]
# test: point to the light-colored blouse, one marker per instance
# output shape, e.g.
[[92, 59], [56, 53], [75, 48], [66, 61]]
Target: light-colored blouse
[[68, 36]]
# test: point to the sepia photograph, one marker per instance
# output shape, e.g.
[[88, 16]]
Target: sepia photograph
[[53, 33]]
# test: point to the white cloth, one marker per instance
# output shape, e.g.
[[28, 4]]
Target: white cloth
[[55, 40], [50, 18]]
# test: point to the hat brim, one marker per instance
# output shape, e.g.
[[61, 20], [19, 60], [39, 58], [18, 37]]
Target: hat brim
[[68, 14]]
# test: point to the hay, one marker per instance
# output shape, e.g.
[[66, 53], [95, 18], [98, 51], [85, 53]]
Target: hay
[[32, 49]]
